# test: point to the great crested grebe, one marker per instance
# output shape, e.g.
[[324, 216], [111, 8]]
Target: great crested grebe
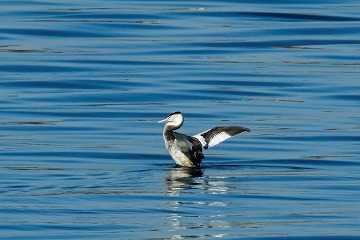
[[187, 150]]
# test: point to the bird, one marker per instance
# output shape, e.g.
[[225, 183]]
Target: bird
[[186, 150]]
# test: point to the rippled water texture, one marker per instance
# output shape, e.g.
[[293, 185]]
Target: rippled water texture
[[83, 84]]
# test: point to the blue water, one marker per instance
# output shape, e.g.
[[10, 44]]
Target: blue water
[[83, 84]]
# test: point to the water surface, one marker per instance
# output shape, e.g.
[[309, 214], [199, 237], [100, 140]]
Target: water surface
[[84, 84]]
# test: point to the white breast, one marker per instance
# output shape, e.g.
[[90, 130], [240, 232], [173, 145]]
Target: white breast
[[179, 157]]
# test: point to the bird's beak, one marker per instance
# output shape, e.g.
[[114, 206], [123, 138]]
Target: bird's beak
[[164, 120]]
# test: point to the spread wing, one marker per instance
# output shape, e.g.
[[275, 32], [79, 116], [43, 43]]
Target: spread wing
[[216, 135]]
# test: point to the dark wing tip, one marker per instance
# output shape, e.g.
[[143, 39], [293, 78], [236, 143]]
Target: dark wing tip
[[233, 130], [247, 129]]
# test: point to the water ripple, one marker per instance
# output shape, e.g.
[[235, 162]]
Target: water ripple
[[83, 85]]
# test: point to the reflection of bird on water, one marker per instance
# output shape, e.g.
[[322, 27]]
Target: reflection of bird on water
[[186, 150], [180, 178]]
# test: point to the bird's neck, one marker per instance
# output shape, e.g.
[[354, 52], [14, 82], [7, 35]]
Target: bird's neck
[[168, 135], [169, 128], [173, 126]]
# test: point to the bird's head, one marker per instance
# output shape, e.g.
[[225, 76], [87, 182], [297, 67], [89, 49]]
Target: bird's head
[[174, 120]]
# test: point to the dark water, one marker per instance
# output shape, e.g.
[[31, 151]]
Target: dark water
[[83, 83]]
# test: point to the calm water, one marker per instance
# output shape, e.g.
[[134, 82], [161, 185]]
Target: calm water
[[83, 84]]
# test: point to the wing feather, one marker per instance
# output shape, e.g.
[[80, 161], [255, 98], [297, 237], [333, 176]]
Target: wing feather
[[216, 135]]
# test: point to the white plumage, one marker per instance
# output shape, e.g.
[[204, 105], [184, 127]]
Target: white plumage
[[214, 140]]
